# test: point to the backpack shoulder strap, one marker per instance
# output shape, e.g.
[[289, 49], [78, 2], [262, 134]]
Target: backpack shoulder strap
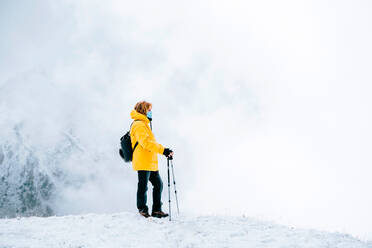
[[135, 145]]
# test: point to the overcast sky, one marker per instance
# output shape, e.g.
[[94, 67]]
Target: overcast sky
[[266, 104]]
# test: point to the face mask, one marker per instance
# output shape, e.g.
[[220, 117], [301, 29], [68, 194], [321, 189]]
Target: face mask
[[149, 115]]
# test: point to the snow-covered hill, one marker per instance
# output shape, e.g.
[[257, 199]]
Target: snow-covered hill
[[132, 230]]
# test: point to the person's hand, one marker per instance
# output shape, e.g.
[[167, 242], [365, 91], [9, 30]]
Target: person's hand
[[171, 156], [168, 153]]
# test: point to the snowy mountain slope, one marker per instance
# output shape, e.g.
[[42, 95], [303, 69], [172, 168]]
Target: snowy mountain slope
[[132, 230]]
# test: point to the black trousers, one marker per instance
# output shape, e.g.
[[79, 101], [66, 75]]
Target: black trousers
[[157, 183]]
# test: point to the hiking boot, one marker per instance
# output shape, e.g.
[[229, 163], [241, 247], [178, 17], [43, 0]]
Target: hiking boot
[[159, 214], [144, 213]]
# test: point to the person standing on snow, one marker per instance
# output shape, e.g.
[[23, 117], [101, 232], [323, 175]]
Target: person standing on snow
[[145, 159]]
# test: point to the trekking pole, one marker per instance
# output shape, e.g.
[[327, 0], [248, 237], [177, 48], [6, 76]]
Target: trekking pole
[[175, 189], [169, 199]]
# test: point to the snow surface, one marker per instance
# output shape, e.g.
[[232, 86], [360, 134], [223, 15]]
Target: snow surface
[[132, 230]]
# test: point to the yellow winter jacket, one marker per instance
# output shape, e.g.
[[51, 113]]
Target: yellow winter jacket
[[145, 156]]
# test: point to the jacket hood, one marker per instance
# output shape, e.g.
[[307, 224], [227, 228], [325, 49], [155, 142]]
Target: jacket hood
[[138, 116]]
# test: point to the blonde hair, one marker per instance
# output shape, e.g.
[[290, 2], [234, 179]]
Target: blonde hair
[[142, 107]]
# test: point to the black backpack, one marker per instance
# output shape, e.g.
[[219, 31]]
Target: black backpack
[[126, 151]]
